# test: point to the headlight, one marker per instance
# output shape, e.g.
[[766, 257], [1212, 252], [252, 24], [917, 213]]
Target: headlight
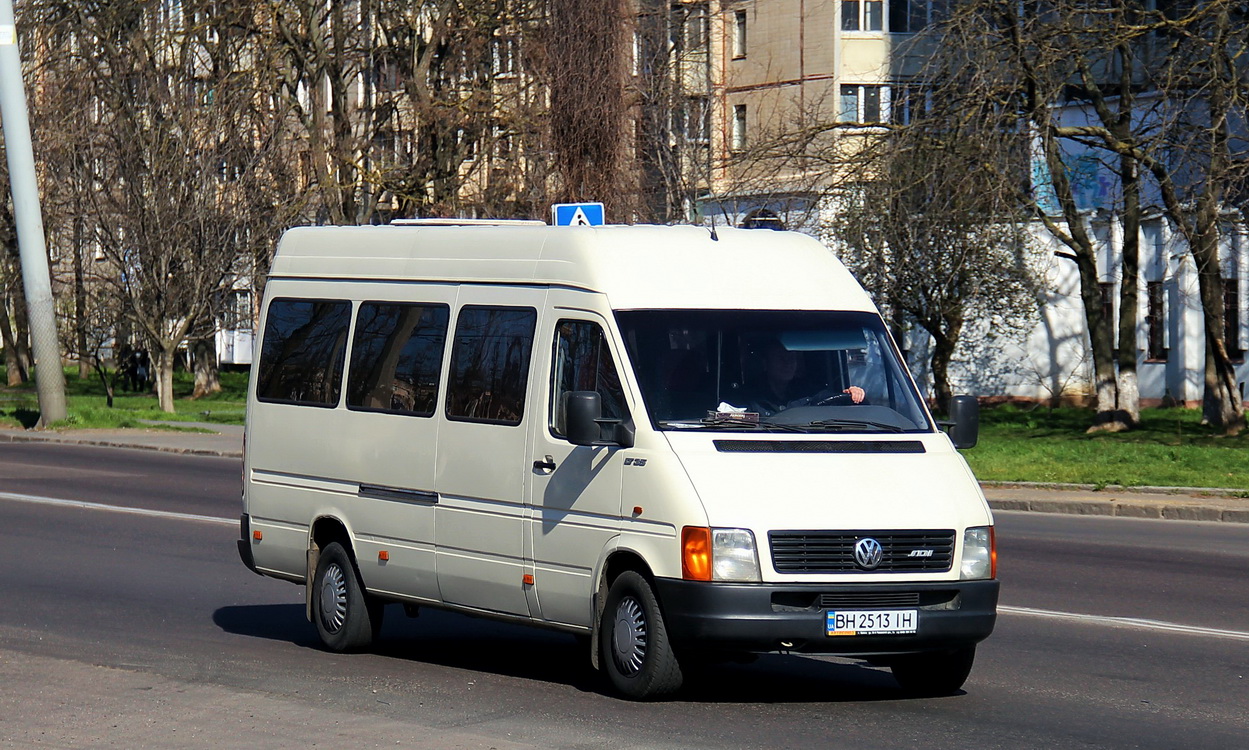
[[733, 556], [979, 554], [718, 554]]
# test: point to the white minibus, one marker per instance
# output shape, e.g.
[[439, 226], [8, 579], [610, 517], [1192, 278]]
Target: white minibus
[[677, 442]]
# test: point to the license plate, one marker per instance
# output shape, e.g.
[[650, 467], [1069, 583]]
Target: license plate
[[872, 622]]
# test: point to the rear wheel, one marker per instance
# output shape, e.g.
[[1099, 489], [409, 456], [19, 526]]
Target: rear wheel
[[936, 673], [633, 642], [347, 619]]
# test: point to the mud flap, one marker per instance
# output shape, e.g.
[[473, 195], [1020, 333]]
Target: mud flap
[[314, 554]]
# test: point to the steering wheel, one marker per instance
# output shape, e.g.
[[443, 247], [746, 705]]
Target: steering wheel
[[834, 398]]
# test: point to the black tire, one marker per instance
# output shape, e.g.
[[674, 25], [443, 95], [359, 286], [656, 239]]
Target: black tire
[[347, 619], [634, 648], [935, 673]]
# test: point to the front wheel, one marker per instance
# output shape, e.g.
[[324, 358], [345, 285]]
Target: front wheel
[[933, 674], [633, 642], [347, 619]]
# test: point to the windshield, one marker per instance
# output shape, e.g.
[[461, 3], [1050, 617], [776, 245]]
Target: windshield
[[758, 370]]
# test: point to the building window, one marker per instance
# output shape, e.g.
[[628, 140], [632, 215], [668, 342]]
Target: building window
[[1155, 321], [862, 104], [739, 127], [505, 57], [694, 26], [697, 124], [862, 15], [739, 34], [1108, 302], [1231, 319], [909, 16], [906, 104]]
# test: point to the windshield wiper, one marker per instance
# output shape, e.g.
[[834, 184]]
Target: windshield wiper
[[727, 422], [846, 423]]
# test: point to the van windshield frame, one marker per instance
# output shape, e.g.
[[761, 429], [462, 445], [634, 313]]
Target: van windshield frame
[[797, 370]]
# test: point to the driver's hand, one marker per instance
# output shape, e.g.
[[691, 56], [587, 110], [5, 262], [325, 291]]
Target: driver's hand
[[857, 394]]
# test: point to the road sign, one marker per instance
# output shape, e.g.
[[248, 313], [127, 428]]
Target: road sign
[[577, 214]]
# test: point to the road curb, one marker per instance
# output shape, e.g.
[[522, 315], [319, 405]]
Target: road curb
[[1142, 489], [17, 437], [1165, 511]]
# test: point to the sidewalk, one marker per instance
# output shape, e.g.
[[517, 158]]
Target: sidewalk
[[1178, 503], [224, 440]]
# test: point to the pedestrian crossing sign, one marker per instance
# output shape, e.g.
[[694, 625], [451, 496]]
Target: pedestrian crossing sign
[[577, 214]]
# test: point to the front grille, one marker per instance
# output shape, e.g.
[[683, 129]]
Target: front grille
[[810, 601], [833, 551], [869, 601]]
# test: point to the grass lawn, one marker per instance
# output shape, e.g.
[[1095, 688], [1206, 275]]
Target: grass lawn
[[1170, 449], [87, 405]]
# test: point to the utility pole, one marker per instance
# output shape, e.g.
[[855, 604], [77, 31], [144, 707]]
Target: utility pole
[[49, 378]]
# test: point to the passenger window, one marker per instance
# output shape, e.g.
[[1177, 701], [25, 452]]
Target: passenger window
[[301, 357], [396, 358], [490, 364], [583, 362]]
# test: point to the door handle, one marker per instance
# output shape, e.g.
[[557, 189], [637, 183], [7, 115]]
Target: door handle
[[548, 464]]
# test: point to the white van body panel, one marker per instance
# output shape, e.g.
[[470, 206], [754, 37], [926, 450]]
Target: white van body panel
[[801, 491], [635, 267]]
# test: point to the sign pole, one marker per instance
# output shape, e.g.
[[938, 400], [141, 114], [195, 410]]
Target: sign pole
[[49, 378]]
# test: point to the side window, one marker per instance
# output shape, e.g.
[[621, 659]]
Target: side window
[[583, 362], [301, 357], [396, 358], [490, 364]]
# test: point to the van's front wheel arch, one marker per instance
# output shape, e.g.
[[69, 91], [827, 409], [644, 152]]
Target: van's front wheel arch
[[634, 648], [347, 619]]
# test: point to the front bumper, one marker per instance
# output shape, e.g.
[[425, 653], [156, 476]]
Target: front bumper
[[791, 617]]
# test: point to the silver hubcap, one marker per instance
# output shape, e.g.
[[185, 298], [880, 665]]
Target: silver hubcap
[[629, 636], [333, 598]]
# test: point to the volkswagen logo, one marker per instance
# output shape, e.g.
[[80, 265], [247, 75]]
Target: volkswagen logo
[[867, 553]]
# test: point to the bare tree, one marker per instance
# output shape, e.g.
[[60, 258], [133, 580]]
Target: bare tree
[[587, 72], [176, 134], [933, 246], [1159, 94]]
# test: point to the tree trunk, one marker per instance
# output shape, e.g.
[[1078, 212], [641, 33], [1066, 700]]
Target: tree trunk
[[80, 306], [942, 353], [21, 332], [15, 366], [1129, 411], [204, 363], [1104, 385], [165, 357]]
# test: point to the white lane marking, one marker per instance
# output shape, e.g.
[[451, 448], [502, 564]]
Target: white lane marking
[[116, 508], [1127, 622]]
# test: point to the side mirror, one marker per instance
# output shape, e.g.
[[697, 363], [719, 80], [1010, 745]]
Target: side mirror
[[583, 417], [964, 421]]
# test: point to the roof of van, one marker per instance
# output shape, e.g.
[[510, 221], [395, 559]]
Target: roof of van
[[636, 267]]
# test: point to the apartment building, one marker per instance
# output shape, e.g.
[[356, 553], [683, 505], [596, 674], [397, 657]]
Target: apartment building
[[782, 72]]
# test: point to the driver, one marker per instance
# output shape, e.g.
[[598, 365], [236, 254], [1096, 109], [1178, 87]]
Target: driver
[[778, 393]]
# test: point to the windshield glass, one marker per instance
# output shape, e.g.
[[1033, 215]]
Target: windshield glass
[[816, 371]]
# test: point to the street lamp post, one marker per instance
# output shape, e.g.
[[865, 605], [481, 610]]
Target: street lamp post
[[49, 378]]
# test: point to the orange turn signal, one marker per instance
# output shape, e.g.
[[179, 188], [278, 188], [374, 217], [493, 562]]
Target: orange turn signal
[[696, 553], [527, 579], [383, 556], [258, 535], [992, 553]]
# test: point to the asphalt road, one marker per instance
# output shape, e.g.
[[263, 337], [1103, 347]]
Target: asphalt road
[[133, 630]]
